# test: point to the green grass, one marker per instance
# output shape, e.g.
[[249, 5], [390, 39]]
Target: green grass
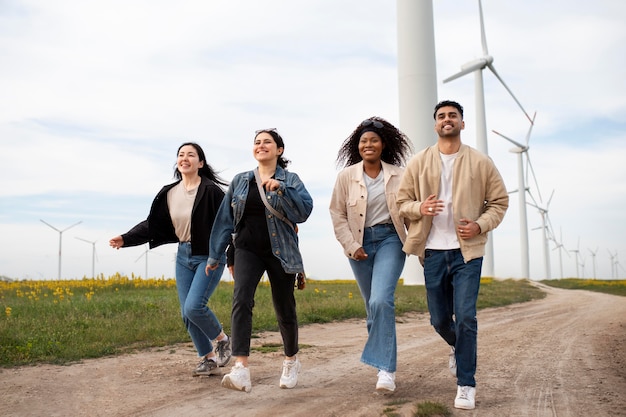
[[615, 287], [69, 320]]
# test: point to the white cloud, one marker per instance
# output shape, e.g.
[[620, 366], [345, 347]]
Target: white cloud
[[98, 96]]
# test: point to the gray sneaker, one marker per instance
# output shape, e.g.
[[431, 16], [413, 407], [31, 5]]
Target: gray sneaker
[[452, 362], [223, 352], [206, 367]]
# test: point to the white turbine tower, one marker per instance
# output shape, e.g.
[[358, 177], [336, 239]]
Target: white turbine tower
[[477, 66], [593, 261], [560, 246], [145, 253], [417, 88], [520, 150], [576, 251], [545, 221], [582, 266], [93, 255], [60, 239], [613, 264]]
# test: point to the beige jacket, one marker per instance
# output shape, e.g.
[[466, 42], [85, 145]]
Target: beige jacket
[[478, 193], [348, 205]]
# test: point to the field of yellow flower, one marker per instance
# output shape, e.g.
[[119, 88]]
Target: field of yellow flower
[[68, 320]]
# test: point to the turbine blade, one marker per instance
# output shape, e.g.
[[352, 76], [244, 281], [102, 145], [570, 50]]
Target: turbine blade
[[530, 129], [519, 145], [532, 171], [483, 37], [471, 66], [493, 70], [550, 199]]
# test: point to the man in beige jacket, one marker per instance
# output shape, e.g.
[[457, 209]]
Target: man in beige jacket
[[453, 196]]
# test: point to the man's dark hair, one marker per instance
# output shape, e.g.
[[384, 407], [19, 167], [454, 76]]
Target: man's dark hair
[[446, 103]]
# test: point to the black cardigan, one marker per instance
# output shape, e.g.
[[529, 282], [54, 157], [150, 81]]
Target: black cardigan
[[158, 229]]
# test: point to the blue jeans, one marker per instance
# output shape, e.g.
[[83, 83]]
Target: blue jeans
[[452, 289], [194, 289], [377, 278]]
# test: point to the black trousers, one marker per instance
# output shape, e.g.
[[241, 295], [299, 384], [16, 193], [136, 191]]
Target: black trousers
[[249, 268]]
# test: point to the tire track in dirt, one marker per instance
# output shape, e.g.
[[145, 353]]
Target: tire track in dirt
[[560, 356]]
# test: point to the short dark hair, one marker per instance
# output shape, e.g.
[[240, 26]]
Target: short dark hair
[[446, 103]]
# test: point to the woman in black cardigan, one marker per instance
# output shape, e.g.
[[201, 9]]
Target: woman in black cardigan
[[183, 212]]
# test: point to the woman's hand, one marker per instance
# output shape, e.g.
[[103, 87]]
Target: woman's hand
[[116, 242], [271, 184], [210, 268], [360, 254]]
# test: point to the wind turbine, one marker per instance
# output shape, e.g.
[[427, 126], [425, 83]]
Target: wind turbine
[[145, 253], [576, 251], [545, 220], [60, 240], [614, 264], [593, 261], [582, 265], [520, 150], [93, 255], [560, 246], [477, 66]]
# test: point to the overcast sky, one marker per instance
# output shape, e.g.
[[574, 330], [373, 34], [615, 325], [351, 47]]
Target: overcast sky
[[96, 97]]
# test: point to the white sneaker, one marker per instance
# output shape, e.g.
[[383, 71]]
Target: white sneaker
[[238, 378], [452, 362], [289, 377], [465, 397], [386, 381]]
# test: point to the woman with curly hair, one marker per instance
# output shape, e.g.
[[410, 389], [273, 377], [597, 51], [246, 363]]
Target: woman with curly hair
[[368, 226]]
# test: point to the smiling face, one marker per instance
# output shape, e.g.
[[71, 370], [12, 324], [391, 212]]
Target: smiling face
[[188, 161], [371, 147], [448, 122], [265, 148]]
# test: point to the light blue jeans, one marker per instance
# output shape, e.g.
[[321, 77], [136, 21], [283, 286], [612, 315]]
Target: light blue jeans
[[194, 289], [377, 278], [452, 291]]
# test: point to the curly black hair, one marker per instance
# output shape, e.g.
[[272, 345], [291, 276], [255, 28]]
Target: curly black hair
[[398, 147]]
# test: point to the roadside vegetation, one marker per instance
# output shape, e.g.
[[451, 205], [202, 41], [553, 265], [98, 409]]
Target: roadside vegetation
[[615, 287], [69, 320]]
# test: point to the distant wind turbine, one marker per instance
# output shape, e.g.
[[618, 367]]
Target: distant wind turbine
[[545, 220], [614, 264], [520, 150], [93, 255], [559, 246], [576, 251], [145, 253], [477, 66], [60, 239], [593, 261]]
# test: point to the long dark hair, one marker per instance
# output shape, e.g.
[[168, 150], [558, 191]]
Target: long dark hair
[[206, 171], [397, 150]]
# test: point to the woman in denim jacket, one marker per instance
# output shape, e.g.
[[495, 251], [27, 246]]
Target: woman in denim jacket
[[263, 243], [368, 226]]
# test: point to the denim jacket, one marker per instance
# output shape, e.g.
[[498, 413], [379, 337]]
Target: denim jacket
[[291, 199]]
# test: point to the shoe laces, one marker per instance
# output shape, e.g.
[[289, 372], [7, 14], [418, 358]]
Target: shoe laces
[[220, 348], [287, 367], [464, 393]]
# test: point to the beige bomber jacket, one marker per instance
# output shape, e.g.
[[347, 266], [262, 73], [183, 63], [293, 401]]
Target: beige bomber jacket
[[478, 193], [348, 205]]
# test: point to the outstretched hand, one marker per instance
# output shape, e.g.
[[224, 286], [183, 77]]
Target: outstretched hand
[[116, 242]]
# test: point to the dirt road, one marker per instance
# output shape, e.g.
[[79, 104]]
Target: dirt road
[[561, 356]]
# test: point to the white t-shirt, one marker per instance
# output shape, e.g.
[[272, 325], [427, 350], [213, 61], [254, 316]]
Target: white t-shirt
[[377, 211], [442, 234]]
